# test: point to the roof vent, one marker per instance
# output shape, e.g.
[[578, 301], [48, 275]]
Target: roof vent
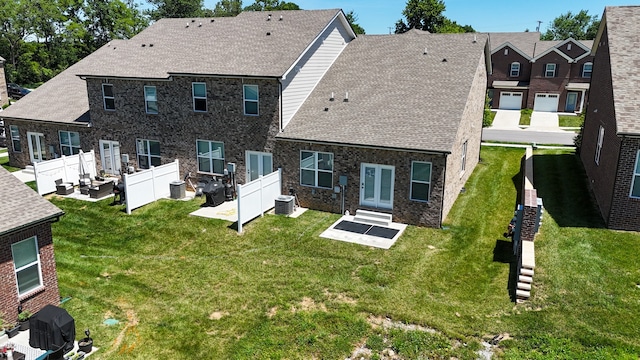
[[346, 97], [326, 109], [150, 45], [332, 97], [268, 33], [212, 20], [269, 17], [444, 60], [475, 38], [187, 25], [425, 51], [280, 18], [193, 20], [143, 45], [200, 25]]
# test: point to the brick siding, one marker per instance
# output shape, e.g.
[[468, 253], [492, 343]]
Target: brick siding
[[625, 211], [47, 294]]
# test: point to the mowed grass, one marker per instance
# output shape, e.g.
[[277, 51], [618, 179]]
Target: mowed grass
[[4, 162], [189, 287], [570, 121]]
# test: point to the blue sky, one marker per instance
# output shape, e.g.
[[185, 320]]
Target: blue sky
[[376, 16]]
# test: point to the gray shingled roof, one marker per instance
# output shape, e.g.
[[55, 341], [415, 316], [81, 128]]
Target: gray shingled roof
[[20, 205], [524, 41], [623, 27], [398, 96], [222, 46]]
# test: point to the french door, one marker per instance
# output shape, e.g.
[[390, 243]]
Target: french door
[[376, 185], [36, 147], [110, 156], [258, 164]]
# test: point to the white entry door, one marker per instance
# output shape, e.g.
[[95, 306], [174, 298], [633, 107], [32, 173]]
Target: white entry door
[[258, 164], [110, 156], [376, 185], [546, 102], [36, 147]]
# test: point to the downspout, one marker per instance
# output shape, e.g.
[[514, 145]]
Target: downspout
[[444, 188], [280, 110]]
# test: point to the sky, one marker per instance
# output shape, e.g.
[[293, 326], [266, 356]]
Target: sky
[[379, 16]]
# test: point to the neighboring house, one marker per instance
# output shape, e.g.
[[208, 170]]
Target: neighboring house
[[610, 148], [400, 116], [4, 95], [214, 91], [27, 265], [539, 75]]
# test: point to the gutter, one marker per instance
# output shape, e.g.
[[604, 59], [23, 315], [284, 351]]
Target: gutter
[[433, 152], [51, 218], [82, 124], [444, 187]]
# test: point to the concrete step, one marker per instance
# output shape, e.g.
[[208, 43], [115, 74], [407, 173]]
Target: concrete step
[[374, 218], [527, 272], [29, 170], [523, 294], [525, 279], [524, 286]]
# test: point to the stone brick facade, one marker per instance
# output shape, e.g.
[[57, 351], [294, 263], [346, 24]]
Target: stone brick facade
[[52, 139], [48, 293], [347, 161], [177, 126]]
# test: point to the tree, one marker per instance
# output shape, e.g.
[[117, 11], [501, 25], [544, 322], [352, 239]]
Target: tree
[[268, 5], [428, 15], [352, 18], [175, 9], [580, 26], [227, 8]]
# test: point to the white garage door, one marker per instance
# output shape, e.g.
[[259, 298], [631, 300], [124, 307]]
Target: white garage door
[[546, 102], [511, 100]]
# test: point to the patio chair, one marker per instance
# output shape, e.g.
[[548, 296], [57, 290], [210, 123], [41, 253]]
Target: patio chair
[[85, 180], [63, 188]]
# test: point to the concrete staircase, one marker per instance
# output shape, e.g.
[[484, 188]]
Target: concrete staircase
[[525, 271], [29, 170], [372, 218]]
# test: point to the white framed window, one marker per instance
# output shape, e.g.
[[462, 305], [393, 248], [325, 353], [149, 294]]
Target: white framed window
[[635, 182], [210, 156], [506, 51], [550, 70], [316, 169], [251, 99], [150, 100], [107, 97], [463, 160], [587, 69], [599, 145], [15, 138], [515, 69], [420, 181], [26, 264], [69, 142], [199, 91], [148, 153], [569, 47]]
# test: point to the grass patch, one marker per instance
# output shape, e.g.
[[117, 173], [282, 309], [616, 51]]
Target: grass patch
[[3, 150], [570, 121], [188, 287], [4, 162], [525, 117]]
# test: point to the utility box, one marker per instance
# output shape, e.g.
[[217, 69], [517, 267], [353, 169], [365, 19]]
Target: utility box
[[284, 205], [178, 189]]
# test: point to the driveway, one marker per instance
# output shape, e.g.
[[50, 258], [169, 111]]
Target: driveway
[[506, 120], [544, 129], [544, 121]]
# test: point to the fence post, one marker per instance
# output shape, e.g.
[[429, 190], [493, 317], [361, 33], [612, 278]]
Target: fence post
[[238, 194]]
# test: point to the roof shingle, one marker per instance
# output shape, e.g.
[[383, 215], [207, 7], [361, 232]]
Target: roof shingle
[[399, 97], [20, 205]]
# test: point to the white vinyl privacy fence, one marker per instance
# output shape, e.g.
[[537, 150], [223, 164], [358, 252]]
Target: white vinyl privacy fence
[[66, 168], [258, 196], [147, 186]]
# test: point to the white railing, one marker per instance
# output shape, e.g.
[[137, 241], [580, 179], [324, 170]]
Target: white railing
[[258, 196], [147, 186], [66, 168]]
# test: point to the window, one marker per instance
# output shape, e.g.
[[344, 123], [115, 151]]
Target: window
[[15, 138], [464, 156], [635, 182], [69, 142], [587, 68], [316, 169], [420, 180], [199, 97], [210, 156], [150, 99], [26, 262], [569, 47], [515, 69], [506, 51], [250, 99], [107, 96], [550, 70], [599, 145], [148, 153]]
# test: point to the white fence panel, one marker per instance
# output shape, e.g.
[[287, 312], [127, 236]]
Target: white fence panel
[[66, 168], [147, 186], [258, 196]]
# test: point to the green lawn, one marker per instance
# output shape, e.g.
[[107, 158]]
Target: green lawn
[[188, 287], [4, 162], [570, 121], [525, 117]]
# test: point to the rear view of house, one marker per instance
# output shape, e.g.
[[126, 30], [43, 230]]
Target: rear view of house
[[27, 265], [611, 141]]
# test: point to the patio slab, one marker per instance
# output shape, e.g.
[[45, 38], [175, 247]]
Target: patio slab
[[368, 239], [21, 343], [228, 210]]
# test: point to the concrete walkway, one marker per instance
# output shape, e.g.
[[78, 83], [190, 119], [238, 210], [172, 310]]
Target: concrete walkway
[[506, 120], [544, 121]]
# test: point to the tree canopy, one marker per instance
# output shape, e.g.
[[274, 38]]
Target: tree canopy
[[268, 5], [428, 15], [352, 18], [580, 26]]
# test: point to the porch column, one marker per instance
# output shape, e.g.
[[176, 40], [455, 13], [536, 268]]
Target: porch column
[[582, 99]]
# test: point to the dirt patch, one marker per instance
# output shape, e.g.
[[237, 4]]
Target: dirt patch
[[217, 315], [308, 304], [272, 312], [341, 298], [387, 323], [128, 337]]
